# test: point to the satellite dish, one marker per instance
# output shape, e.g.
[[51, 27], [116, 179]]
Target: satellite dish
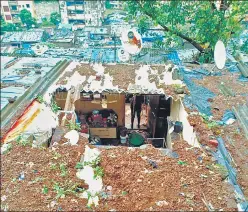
[[220, 55], [123, 55], [131, 41], [39, 49]]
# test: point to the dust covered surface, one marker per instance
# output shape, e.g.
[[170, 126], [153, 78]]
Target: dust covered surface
[[176, 184], [122, 75]]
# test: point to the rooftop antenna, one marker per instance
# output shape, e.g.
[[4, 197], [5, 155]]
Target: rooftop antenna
[[219, 55]]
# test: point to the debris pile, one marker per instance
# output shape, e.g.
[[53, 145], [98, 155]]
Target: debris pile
[[144, 178]]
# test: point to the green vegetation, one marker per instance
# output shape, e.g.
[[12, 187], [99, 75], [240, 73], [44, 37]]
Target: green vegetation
[[40, 99], [181, 163], [94, 163], [108, 5], [9, 147], [210, 123], [98, 172], [55, 108], [7, 27], [55, 18], [56, 156], [62, 191], [201, 23], [63, 170], [73, 126], [53, 166], [46, 23], [27, 19], [45, 190], [79, 166], [23, 141], [124, 193]]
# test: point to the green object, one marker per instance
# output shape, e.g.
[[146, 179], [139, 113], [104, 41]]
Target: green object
[[181, 162], [136, 139]]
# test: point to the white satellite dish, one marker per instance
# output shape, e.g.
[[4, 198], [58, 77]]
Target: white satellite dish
[[220, 55], [39, 49], [123, 55], [131, 41]]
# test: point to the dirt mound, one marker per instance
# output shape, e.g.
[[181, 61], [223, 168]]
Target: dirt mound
[[133, 183]]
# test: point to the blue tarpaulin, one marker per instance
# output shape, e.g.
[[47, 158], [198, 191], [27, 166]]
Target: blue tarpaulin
[[227, 116], [199, 95], [224, 158]]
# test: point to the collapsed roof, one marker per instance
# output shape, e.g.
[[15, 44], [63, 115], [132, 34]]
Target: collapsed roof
[[98, 78]]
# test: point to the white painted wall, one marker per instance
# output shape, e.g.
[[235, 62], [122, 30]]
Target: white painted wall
[[178, 113]]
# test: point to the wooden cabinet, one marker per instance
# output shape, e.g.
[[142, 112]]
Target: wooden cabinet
[[104, 132]]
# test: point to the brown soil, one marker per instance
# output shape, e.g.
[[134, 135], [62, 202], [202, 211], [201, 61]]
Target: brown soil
[[132, 188], [121, 77], [221, 102], [27, 194]]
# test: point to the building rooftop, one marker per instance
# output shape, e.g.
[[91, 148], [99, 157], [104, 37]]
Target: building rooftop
[[25, 36]]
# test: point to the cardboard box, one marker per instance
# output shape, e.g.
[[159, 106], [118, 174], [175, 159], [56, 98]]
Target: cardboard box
[[104, 132]]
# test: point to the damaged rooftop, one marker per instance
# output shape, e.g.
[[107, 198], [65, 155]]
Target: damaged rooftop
[[124, 105], [139, 173]]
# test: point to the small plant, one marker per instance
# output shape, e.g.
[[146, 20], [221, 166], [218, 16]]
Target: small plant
[[63, 191], [79, 165], [63, 170], [9, 147], [212, 124], [60, 191], [205, 117], [53, 166], [73, 126], [98, 172], [56, 156], [45, 190], [37, 179], [94, 163], [22, 141], [177, 86], [13, 180], [55, 108], [124, 193], [222, 170], [182, 163], [40, 99]]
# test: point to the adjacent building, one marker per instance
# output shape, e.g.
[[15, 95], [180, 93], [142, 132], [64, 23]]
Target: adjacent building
[[44, 9], [82, 13], [10, 10], [116, 4], [25, 38]]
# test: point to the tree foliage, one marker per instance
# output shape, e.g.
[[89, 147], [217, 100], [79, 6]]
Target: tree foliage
[[55, 18], [46, 23], [108, 5], [201, 23], [27, 19], [7, 27]]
